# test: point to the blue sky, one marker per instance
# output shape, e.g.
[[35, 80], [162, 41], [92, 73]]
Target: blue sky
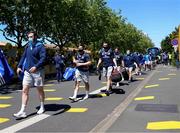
[[157, 18]]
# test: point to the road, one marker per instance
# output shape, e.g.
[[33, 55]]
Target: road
[[152, 98]]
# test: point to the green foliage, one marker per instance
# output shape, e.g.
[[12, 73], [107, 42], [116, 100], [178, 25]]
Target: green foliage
[[166, 43], [67, 22]]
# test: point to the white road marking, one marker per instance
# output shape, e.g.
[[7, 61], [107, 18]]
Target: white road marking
[[35, 119], [106, 123], [24, 124]]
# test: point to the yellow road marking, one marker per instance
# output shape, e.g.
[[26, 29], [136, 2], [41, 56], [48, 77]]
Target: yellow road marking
[[164, 125], [172, 74], [144, 98], [139, 78], [53, 98], [2, 120], [5, 97], [77, 110], [49, 90], [5, 105], [102, 95], [164, 78], [104, 82], [48, 85], [82, 86], [150, 86]]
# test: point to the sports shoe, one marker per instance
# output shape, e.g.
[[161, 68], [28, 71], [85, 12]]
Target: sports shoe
[[74, 99], [86, 97], [107, 93], [122, 79], [117, 84], [41, 111], [20, 115]]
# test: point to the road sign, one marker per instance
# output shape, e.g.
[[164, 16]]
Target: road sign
[[174, 42]]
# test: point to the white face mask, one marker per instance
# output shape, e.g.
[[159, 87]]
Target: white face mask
[[30, 39]]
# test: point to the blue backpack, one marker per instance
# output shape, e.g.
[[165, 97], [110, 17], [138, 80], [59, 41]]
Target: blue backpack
[[6, 72], [69, 73]]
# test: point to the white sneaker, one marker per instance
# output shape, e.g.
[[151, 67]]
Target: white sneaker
[[41, 111], [86, 97], [117, 85], [20, 115], [73, 98]]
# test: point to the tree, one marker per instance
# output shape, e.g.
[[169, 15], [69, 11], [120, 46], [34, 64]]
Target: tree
[[14, 16]]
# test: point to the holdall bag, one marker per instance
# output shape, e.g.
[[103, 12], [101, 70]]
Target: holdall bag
[[116, 76], [69, 73], [6, 72]]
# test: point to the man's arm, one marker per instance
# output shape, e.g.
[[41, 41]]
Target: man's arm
[[99, 62], [42, 57], [115, 62]]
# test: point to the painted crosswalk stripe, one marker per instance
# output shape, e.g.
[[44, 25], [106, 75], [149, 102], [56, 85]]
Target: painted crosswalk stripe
[[164, 78], [77, 110], [82, 86], [2, 120], [53, 98], [5, 97], [49, 90], [140, 78], [26, 123], [144, 98], [104, 82], [23, 124], [48, 85], [163, 125], [5, 105], [102, 95], [151, 86], [172, 74]]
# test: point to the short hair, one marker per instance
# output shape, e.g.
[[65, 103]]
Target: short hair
[[34, 33]]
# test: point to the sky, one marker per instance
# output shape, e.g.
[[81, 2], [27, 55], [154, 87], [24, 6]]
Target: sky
[[157, 18]]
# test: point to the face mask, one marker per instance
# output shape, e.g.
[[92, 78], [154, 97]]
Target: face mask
[[106, 48], [80, 51], [30, 40]]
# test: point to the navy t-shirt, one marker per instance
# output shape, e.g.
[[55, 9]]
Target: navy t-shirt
[[83, 59], [119, 57], [107, 57]]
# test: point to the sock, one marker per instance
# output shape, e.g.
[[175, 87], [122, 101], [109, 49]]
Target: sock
[[42, 105], [75, 93], [87, 93], [23, 106]]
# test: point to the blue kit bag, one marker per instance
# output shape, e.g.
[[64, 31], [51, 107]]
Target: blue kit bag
[[69, 73], [6, 72]]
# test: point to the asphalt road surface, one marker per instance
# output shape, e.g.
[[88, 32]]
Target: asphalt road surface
[[149, 104]]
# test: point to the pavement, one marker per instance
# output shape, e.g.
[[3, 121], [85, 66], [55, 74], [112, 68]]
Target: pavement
[[149, 104]]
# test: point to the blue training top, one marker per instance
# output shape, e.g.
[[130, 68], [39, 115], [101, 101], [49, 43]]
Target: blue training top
[[34, 55], [128, 60]]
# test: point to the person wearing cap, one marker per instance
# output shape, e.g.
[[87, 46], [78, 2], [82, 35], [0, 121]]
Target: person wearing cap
[[33, 60], [106, 56], [82, 62]]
